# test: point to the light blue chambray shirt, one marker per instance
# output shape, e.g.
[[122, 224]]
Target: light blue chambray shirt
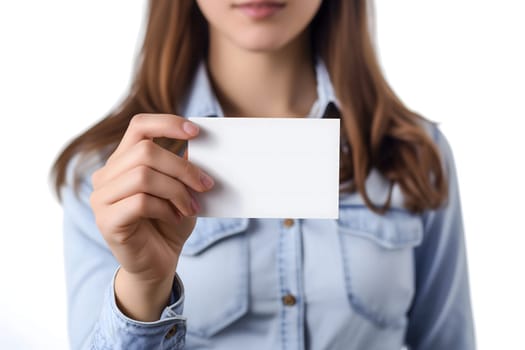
[[362, 282]]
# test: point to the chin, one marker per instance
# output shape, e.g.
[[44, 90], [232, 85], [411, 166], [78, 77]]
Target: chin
[[262, 47], [261, 42]]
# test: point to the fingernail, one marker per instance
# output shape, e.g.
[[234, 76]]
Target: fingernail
[[195, 205], [190, 128], [206, 180]]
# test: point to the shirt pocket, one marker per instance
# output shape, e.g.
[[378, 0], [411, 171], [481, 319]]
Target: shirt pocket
[[378, 262], [214, 269]]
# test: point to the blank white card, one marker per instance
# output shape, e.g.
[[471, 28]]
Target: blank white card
[[268, 167]]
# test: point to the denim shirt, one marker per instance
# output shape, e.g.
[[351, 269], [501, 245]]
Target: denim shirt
[[361, 282]]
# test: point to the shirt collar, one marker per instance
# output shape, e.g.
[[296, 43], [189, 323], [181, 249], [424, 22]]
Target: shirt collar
[[202, 102]]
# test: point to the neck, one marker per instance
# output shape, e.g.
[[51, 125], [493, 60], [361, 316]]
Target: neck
[[263, 84]]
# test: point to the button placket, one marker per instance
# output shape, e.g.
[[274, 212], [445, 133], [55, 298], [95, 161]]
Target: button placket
[[290, 278]]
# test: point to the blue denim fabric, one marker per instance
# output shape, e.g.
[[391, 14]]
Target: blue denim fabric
[[362, 282]]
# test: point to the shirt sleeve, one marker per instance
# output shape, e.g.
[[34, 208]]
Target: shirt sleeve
[[441, 315], [94, 320]]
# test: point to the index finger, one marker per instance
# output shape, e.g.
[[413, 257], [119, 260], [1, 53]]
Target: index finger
[[149, 126]]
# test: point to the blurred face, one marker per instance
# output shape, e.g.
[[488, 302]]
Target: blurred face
[[258, 25]]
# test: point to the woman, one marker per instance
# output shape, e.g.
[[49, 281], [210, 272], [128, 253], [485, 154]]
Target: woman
[[390, 272]]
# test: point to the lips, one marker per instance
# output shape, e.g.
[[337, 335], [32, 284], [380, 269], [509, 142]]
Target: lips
[[259, 10]]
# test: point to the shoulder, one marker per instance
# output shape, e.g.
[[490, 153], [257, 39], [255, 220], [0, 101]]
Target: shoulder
[[442, 144], [450, 211]]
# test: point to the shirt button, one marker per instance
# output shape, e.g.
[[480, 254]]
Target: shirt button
[[289, 300], [288, 223], [171, 332]]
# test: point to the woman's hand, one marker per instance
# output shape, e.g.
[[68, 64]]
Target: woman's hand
[[145, 210]]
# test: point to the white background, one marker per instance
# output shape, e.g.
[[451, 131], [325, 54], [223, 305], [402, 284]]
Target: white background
[[64, 64]]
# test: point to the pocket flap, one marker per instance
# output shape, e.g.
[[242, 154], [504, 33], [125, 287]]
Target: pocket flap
[[209, 231], [395, 229]]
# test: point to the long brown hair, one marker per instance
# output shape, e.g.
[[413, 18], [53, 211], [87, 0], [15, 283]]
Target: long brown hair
[[379, 130]]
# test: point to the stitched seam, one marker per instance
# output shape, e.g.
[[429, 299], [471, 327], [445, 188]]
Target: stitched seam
[[280, 261], [300, 288], [209, 237], [358, 306], [362, 206], [232, 313], [393, 239], [383, 241]]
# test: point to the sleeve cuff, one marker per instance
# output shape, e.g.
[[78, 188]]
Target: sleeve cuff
[[176, 306], [117, 331]]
